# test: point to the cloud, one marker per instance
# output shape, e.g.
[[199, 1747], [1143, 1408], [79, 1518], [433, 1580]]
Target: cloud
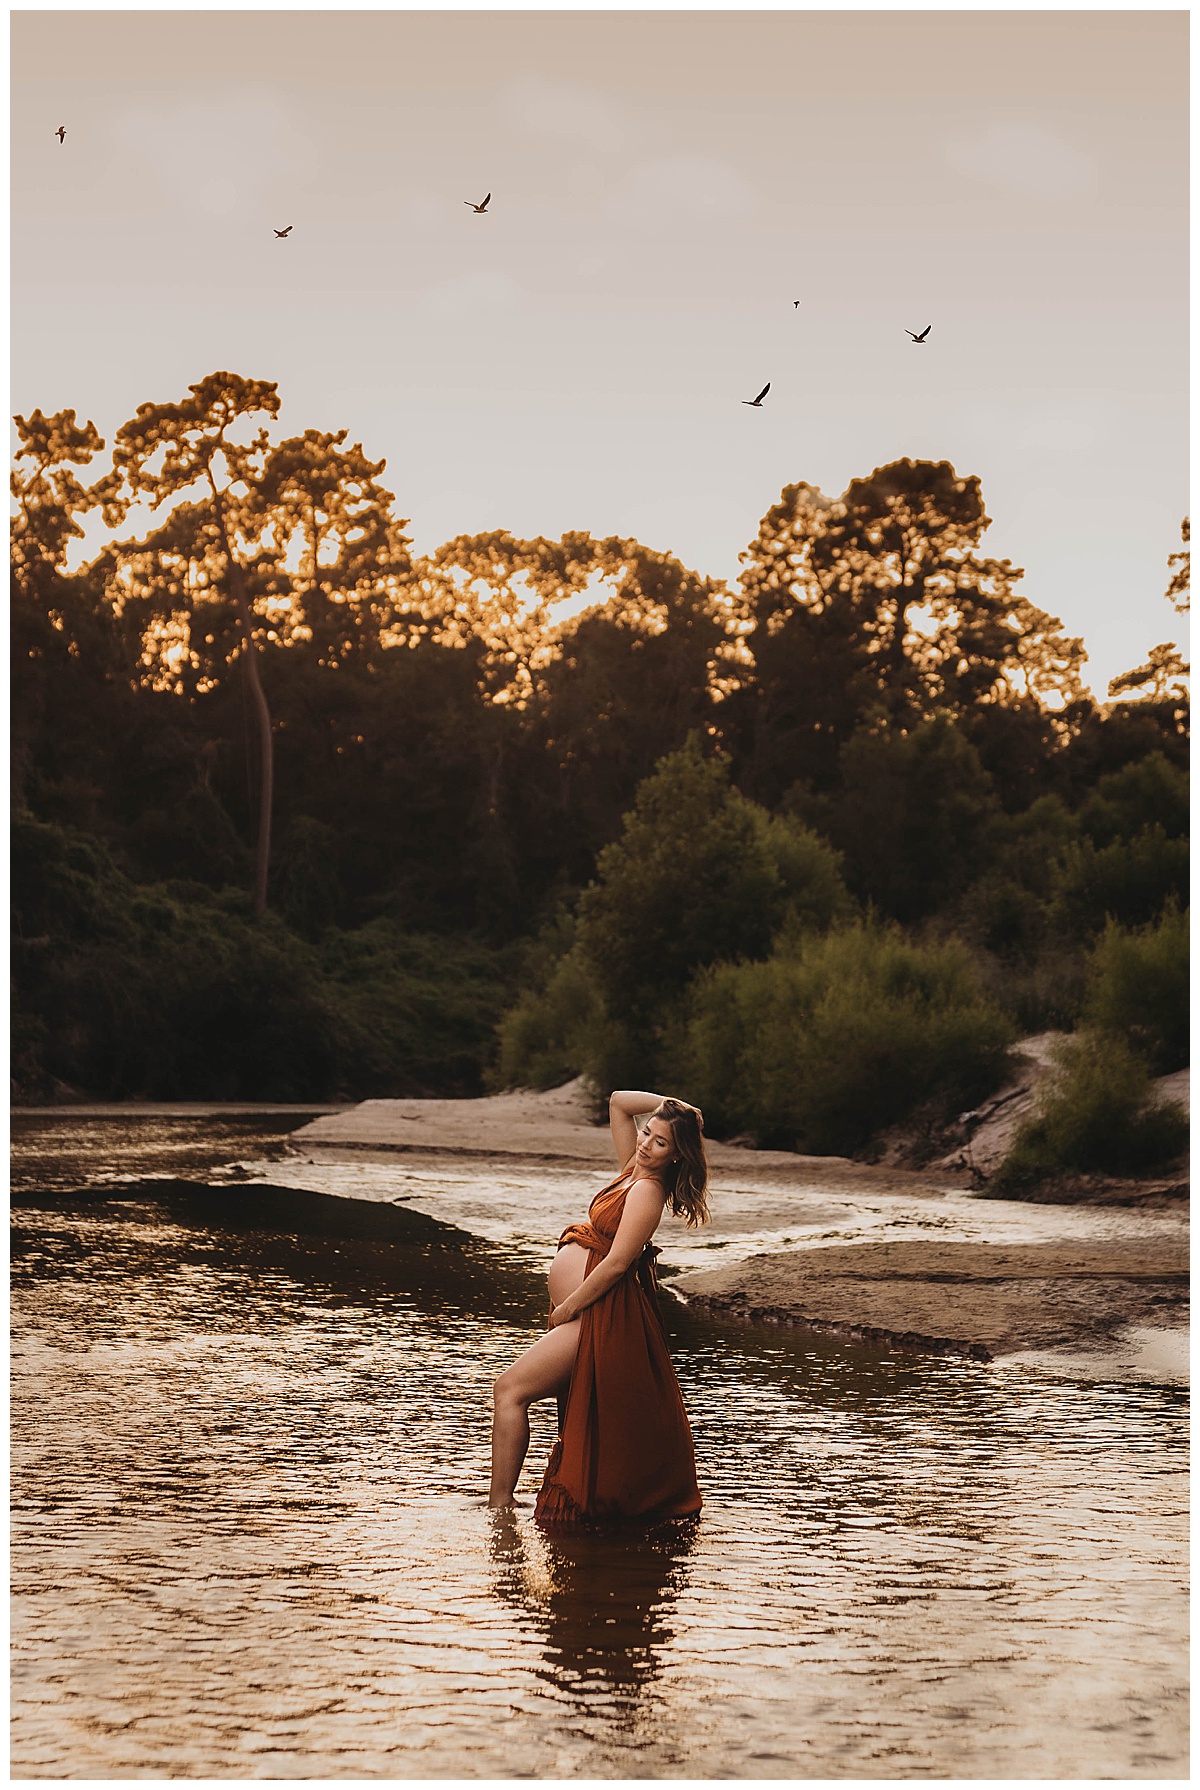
[[695, 187], [1025, 159], [562, 109], [225, 154], [470, 295]]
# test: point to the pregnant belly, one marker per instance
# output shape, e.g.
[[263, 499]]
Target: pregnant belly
[[567, 1271]]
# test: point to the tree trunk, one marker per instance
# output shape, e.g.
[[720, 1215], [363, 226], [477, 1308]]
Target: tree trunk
[[266, 755]]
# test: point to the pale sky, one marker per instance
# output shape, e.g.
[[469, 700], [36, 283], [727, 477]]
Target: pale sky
[[664, 184]]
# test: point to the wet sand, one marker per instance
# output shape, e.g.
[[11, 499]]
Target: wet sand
[[982, 1297], [557, 1126], [974, 1299]]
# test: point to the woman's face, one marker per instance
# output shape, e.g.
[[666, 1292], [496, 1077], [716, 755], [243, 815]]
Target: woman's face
[[656, 1147]]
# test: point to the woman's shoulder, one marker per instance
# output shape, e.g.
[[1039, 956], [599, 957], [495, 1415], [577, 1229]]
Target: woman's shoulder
[[647, 1188]]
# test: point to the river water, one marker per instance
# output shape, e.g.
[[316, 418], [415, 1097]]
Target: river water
[[251, 1423]]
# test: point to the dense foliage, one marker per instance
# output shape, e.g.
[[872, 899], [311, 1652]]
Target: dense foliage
[[300, 813], [833, 1037], [1100, 1116], [170, 987]]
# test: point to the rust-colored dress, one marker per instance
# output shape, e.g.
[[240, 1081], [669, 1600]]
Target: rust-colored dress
[[625, 1450]]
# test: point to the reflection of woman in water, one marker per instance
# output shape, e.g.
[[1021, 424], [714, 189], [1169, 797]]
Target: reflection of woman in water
[[605, 1604], [625, 1448]]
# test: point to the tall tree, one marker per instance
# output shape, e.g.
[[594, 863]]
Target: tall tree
[[879, 607], [47, 495], [162, 452], [1160, 686], [65, 651], [606, 652], [318, 501]]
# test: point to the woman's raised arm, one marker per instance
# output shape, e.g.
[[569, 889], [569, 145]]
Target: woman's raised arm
[[623, 1106]]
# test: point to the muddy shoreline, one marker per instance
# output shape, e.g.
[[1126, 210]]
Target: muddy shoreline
[[970, 1299], [979, 1299], [892, 1256]]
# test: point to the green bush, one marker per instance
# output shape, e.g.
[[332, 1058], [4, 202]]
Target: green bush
[[1007, 910], [123, 989], [1130, 881], [421, 1008], [822, 1047], [699, 874], [809, 872], [1097, 1118], [1149, 792], [1045, 993], [913, 816], [550, 1035], [1139, 988]]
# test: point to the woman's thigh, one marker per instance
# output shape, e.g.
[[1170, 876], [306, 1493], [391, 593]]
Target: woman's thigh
[[545, 1368]]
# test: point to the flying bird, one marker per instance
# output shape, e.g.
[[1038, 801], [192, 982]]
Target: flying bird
[[756, 403], [922, 335], [475, 207], [60, 133], [795, 307], [286, 232]]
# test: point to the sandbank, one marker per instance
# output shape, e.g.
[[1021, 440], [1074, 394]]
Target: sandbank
[[981, 1298]]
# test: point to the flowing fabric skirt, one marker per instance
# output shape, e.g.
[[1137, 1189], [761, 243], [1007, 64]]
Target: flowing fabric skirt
[[625, 1452]]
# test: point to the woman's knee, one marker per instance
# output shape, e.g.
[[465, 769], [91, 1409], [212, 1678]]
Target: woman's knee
[[506, 1389]]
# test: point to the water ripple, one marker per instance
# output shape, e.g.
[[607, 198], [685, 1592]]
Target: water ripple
[[249, 1539]]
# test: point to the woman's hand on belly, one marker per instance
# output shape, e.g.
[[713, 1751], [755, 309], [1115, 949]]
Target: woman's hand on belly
[[567, 1272]]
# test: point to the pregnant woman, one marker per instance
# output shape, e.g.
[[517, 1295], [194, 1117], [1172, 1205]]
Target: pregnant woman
[[625, 1448]]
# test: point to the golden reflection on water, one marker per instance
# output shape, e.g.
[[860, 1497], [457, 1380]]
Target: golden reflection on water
[[601, 1605], [250, 1537]]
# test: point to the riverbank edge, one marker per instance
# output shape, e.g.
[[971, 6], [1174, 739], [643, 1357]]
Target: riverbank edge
[[735, 1309], [977, 1300]]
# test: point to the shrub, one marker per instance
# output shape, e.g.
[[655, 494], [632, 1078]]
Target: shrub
[[1139, 988], [123, 988], [550, 1034], [1149, 792], [1130, 881], [699, 874], [1042, 994], [823, 1046], [420, 1009], [913, 816], [1097, 1117], [1007, 909], [809, 871]]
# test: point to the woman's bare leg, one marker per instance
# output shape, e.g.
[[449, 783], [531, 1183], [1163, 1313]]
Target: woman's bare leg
[[541, 1371]]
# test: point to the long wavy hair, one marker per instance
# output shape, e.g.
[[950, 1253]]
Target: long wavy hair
[[686, 1180]]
